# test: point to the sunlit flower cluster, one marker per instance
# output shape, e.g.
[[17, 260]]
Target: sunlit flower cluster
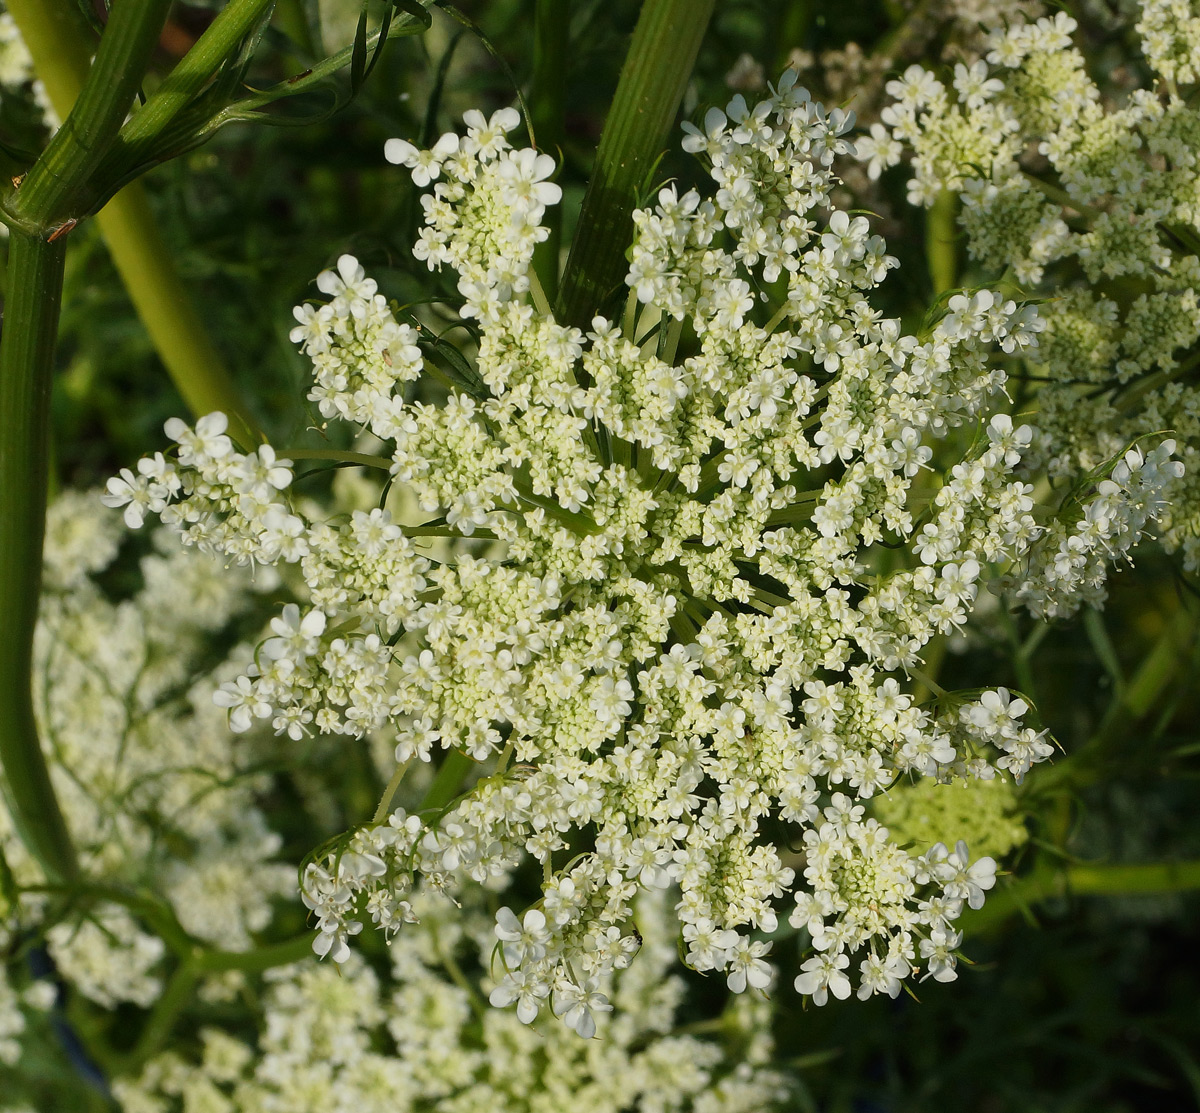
[[350, 1038], [164, 805], [695, 553], [1098, 200]]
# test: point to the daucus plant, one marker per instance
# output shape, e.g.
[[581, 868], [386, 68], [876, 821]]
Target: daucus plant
[[698, 553]]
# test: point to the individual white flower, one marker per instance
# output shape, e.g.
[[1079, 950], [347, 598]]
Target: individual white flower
[[823, 975]]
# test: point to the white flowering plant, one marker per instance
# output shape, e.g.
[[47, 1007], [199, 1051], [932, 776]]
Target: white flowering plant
[[632, 689], [1089, 199], [696, 556]]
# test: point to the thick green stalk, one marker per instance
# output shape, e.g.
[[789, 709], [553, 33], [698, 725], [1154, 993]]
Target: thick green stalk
[[139, 138], [61, 54], [1140, 695], [65, 168], [649, 91], [1087, 879], [34, 280], [547, 107]]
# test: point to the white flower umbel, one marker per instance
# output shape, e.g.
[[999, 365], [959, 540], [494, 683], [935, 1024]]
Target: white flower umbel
[[409, 1039], [698, 549], [1099, 202]]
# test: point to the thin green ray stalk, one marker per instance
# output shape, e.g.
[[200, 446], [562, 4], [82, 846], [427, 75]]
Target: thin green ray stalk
[[941, 247], [35, 273], [650, 89]]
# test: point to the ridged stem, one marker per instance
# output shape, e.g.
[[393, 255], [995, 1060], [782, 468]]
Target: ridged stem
[[59, 44], [139, 138], [34, 285], [64, 169], [650, 89]]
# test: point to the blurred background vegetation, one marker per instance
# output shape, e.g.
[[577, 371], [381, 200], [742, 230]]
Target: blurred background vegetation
[[1075, 1002]]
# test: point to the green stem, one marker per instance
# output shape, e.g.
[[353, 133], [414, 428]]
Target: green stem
[[34, 294], [182, 985], [168, 314], [267, 957], [1061, 197], [366, 460], [940, 241], [1087, 879], [1124, 402], [59, 47], [445, 784], [137, 141], [385, 801], [651, 86], [547, 107], [50, 190], [175, 998]]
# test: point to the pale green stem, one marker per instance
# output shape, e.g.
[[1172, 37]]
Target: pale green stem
[[59, 46], [935, 654], [389, 793], [649, 92], [540, 301], [168, 314], [34, 277], [1061, 196], [941, 247], [445, 785]]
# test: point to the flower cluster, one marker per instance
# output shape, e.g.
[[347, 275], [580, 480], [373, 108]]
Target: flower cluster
[[1098, 199], [688, 559], [165, 808], [985, 814], [409, 1039], [135, 746]]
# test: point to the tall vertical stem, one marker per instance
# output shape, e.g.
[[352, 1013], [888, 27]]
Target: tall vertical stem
[[59, 42], [653, 79], [35, 274]]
